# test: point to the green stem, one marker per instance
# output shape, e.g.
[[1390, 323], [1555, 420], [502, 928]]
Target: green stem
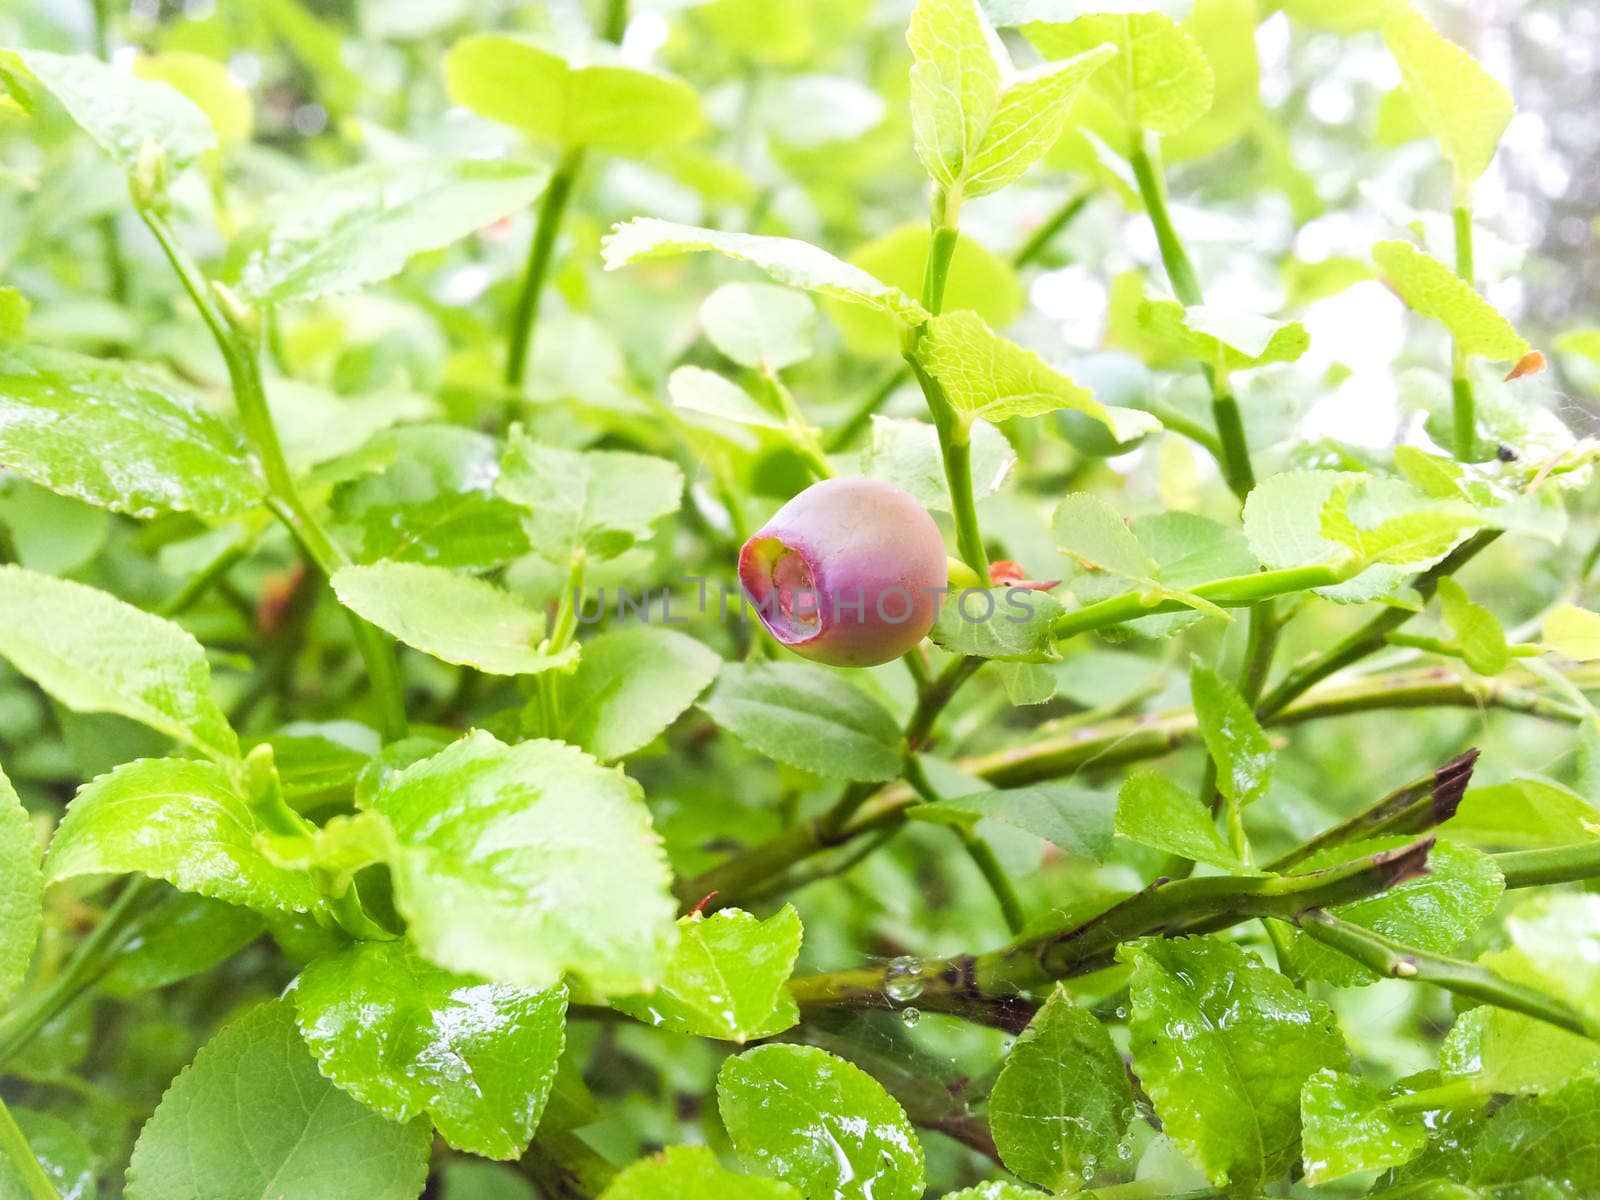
[[1153, 194], [1395, 960], [615, 23], [1463, 406], [936, 271], [205, 578], [1040, 239], [110, 240], [1556, 864], [870, 404], [1236, 468], [242, 358], [982, 855], [23, 1159], [519, 334]]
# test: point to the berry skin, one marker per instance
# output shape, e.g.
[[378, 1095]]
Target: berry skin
[[851, 572]]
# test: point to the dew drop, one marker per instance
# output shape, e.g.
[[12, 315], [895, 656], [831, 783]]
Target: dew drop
[[910, 1017], [902, 978], [1122, 1012]]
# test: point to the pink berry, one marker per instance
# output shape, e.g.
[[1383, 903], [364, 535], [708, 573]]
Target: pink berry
[[851, 572]]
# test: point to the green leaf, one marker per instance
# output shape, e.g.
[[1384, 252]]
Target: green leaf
[[906, 453], [691, 1171], [1478, 634], [207, 84], [1435, 291], [1524, 813], [984, 376], [1030, 118], [1092, 532], [117, 110], [1075, 819], [1063, 1099], [994, 1190], [1154, 811], [1436, 911], [760, 324], [1464, 107], [405, 1037], [1233, 737], [183, 821], [1549, 1137], [68, 1162], [356, 227], [251, 1117], [94, 653], [521, 863], [119, 436], [180, 937], [820, 1123], [21, 891], [726, 978], [1417, 536], [1510, 1053], [630, 685], [598, 502], [1007, 623], [1555, 947], [698, 390], [1348, 1129], [453, 617], [1236, 340], [1159, 80], [1572, 632], [787, 260], [808, 717], [605, 105], [1222, 1046]]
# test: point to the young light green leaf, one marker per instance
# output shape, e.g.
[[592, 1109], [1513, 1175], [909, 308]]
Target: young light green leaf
[[820, 1123], [1075, 819], [1572, 632], [594, 502], [1347, 1128], [698, 390], [1436, 911], [120, 436], [1233, 737], [609, 106], [406, 1037], [726, 978], [986, 377], [760, 324], [808, 717], [1222, 1046], [956, 69], [1005, 623], [1524, 813], [1062, 1101], [787, 260], [691, 1171], [1464, 107], [179, 820], [1159, 80], [117, 110], [1092, 532], [207, 84], [1031, 116], [521, 863], [21, 891], [453, 617], [290, 1132], [363, 225], [1434, 290], [1236, 340], [1415, 537], [1508, 1052], [1478, 635], [630, 685], [1154, 811], [94, 653]]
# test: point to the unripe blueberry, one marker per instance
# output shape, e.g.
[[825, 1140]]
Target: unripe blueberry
[[849, 573]]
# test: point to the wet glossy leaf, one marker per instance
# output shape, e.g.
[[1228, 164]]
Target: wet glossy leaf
[[1552, 1137], [94, 653], [691, 1171], [1509, 1053], [986, 377], [1222, 1045], [360, 226], [1154, 811], [175, 819], [521, 863], [787, 260], [405, 1037], [1434, 290], [598, 502], [1464, 107], [1348, 1129], [808, 717], [453, 617], [290, 1132], [602, 104], [118, 111], [1063, 1099], [815, 1121], [119, 435], [726, 978], [21, 886], [630, 685], [760, 324], [1233, 737]]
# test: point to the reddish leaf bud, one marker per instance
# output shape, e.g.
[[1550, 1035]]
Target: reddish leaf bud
[[850, 572]]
